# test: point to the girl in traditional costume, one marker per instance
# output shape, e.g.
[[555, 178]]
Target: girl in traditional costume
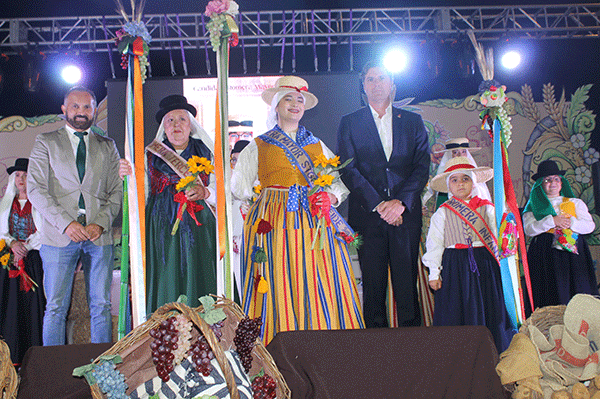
[[462, 254], [289, 282], [22, 300], [560, 263]]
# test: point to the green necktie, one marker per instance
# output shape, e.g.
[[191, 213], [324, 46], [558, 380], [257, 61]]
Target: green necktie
[[80, 161]]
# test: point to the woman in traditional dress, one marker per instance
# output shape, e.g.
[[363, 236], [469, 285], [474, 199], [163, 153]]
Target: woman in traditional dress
[[21, 303], [560, 264], [183, 263], [289, 282]]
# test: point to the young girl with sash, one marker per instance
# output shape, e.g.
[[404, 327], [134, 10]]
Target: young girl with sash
[[462, 254], [560, 262], [289, 282]]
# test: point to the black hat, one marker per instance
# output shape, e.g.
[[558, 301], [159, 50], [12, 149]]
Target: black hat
[[174, 101], [547, 168], [239, 146], [20, 164]]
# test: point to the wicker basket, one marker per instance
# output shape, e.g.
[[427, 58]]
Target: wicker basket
[[138, 342], [9, 381], [543, 319]]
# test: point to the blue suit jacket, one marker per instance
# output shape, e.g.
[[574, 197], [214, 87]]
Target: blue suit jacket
[[371, 178]]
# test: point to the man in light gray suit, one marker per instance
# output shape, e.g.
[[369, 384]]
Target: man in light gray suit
[[73, 182]]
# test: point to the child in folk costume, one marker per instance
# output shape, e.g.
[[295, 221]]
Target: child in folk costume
[[462, 254], [560, 263]]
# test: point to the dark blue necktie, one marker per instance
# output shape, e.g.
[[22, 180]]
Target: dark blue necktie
[[80, 161]]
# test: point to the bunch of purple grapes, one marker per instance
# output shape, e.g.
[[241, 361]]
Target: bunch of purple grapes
[[164, 343], [245, 336], [264, 387], [216, 327], [202, 354]]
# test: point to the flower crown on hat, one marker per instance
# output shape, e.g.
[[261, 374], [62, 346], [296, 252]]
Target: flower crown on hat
[[291, 83], [460, 164]]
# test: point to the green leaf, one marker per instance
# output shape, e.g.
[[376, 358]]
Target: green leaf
[[116, 359], [213, 316], [182, 299], [207, 301], [259, 374], [86, 372]]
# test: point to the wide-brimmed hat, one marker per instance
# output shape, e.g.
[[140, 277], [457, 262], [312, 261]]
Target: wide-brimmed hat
[[172, 102], [460, 164], [461, 142], [547, 168], [293, 83], [20, 164]]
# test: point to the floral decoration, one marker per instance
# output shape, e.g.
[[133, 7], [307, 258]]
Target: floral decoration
[[133, 39], [221, 24], [26, 283], [196, 166]]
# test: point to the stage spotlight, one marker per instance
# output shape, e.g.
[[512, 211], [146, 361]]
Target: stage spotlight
[[511, 59], [395, 60], [71, 74]]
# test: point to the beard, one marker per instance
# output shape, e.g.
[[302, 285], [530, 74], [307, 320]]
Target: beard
[[80, 122]]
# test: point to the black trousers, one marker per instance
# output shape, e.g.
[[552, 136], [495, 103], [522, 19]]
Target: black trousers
[[397, 248]]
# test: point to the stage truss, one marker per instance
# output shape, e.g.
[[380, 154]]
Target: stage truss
[[316, 28]]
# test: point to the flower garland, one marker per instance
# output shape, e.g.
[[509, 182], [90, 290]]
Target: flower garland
[[221, 13], [133, 39]]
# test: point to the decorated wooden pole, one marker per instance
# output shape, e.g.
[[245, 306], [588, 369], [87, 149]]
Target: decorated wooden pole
[[223, 33], [511, 237], [132, 41]]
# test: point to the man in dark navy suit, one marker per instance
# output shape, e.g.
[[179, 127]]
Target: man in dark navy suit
[[389, 169]]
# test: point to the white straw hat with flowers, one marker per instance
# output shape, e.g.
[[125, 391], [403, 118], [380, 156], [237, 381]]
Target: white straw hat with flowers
[[291, 83], [462, 165], [454, 144]]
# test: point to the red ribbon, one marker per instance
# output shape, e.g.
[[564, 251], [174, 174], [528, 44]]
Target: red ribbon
[[298, 89], [25, 283], [323, 209], [191, 206]]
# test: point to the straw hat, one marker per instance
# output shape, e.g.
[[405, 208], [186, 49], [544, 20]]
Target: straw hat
[[460, 164], [461, 142], [294, 83]]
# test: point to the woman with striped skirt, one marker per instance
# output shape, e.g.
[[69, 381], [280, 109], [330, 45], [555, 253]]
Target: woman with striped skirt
[[292, 280]]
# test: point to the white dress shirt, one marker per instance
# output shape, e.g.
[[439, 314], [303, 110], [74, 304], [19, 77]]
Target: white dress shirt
[[384, 128]]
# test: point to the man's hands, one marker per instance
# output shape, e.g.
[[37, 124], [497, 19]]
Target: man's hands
[[78, 233], [125, 168], [391, 211]]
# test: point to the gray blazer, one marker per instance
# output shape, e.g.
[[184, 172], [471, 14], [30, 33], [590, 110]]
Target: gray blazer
[[53, 185]]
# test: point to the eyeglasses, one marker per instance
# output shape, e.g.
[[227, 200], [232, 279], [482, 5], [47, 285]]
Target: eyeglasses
[[552, 179]]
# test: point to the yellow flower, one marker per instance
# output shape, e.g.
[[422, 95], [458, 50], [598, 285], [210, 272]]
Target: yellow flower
[[257, 189], [321, 160], [324, 180], [4, 259], [335, 161], [194, 164], [2, 244], [208, 168], [183, 182]]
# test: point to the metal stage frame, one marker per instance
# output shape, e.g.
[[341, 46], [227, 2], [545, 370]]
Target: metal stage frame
[[316, 28]]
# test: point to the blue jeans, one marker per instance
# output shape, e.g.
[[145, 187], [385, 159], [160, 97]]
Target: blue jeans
[[59, 265]]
